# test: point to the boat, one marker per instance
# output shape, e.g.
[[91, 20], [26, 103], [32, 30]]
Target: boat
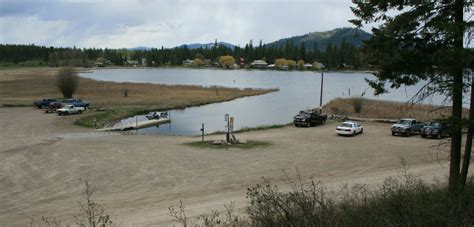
[[156, 115]]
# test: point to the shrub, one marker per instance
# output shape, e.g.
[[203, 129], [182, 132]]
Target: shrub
[[402, 201], [357, 104], [67, 81]]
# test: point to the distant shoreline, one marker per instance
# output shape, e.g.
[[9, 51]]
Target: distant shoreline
[[216, 68]]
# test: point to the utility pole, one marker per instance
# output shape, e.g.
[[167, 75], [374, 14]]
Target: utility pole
[[321, 95]]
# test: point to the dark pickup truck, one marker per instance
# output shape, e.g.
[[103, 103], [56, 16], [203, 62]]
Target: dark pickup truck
[[43, 103], [407, 127], [309, 118], [77, 103]]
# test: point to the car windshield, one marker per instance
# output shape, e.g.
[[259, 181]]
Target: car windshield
[[434, 124], [404, 122], [346, 125], [305, 114]]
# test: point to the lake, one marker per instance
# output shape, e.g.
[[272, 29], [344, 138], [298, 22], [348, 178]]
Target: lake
[[298, 90]]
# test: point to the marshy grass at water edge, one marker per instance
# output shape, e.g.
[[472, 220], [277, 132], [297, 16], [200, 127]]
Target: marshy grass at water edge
[[378, 109]]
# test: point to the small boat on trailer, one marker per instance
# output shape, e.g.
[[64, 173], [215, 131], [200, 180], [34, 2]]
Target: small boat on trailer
[[156, 115]]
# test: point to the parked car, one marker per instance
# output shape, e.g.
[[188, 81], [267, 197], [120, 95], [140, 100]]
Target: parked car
[[43, 103], [77, 102], [349, 128], [407, 127], [52, 107], [309, 118], [436, 130], [70, 109]]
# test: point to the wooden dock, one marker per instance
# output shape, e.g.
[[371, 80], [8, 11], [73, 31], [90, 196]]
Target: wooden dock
[[136, 125]]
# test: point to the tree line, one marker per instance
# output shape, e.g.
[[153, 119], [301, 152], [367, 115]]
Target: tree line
[[339, 55]]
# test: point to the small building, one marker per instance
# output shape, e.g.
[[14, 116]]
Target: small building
[[132, 62], [188, 62], [259, 64], [207, 62]]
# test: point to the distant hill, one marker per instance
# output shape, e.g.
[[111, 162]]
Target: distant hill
[[335, 36], [207, 45], [140, 48]]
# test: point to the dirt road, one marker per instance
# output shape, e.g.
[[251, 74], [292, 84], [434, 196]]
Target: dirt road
[[137, 177]]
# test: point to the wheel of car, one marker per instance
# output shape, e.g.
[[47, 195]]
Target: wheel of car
[[438, 136], [423, 136], [393, 133], [79, 112], [361, 131], [407, 134]]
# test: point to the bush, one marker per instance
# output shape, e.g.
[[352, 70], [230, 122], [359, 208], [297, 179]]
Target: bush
[[357, 104], [67, 81], [403, 201]]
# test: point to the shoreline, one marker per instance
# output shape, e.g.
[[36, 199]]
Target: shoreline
[[87, 70]]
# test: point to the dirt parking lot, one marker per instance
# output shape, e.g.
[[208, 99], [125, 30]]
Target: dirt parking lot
[[137, 177]]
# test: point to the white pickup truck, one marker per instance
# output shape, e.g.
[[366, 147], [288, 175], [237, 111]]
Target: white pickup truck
[[70, 109]]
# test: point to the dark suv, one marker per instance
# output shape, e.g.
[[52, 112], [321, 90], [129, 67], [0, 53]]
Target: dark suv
[[436, 130]]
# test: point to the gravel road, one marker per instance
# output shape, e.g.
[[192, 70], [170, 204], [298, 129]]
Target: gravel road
[[137, 177]]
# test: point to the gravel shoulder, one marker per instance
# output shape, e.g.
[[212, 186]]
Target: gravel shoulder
[[137, 177]]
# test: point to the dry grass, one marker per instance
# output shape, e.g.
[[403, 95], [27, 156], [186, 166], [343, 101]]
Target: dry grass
[[386, 109], [22, 86]]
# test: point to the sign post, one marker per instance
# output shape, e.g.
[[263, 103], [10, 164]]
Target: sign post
[[202, 132], [227, 136]]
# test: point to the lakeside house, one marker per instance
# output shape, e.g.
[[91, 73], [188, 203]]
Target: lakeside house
[[188, 62], [259, 64]]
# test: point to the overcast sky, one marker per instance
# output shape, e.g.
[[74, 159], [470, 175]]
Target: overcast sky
[[168, 23]]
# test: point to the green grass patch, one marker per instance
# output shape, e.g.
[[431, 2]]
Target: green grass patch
[[100, 119], [208, 145], [262, 127]]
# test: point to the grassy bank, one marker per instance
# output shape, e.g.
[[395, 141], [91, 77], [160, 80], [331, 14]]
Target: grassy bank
[[20, 86], [375, 109], [208, 144]]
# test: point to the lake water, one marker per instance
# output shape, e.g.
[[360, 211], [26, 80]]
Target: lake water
[[298, 91]]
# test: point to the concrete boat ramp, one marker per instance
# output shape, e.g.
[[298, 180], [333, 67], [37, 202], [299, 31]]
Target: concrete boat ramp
[[136, 125]]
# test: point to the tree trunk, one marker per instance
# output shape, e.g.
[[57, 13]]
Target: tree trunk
[[457, 74], [468, 148]]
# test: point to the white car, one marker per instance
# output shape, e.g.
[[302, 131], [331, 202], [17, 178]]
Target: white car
[[349, 128]]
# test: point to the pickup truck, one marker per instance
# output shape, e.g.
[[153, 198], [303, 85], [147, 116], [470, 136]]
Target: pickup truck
[[43, 103], [77, 103], [407, 127], [70, 109], [309, 118]]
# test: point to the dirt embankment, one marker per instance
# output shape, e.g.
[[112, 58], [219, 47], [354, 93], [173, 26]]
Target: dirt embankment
[[137, 177]]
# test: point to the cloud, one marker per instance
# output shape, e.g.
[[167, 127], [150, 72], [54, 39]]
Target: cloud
[[121, 23], [31, 29]]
